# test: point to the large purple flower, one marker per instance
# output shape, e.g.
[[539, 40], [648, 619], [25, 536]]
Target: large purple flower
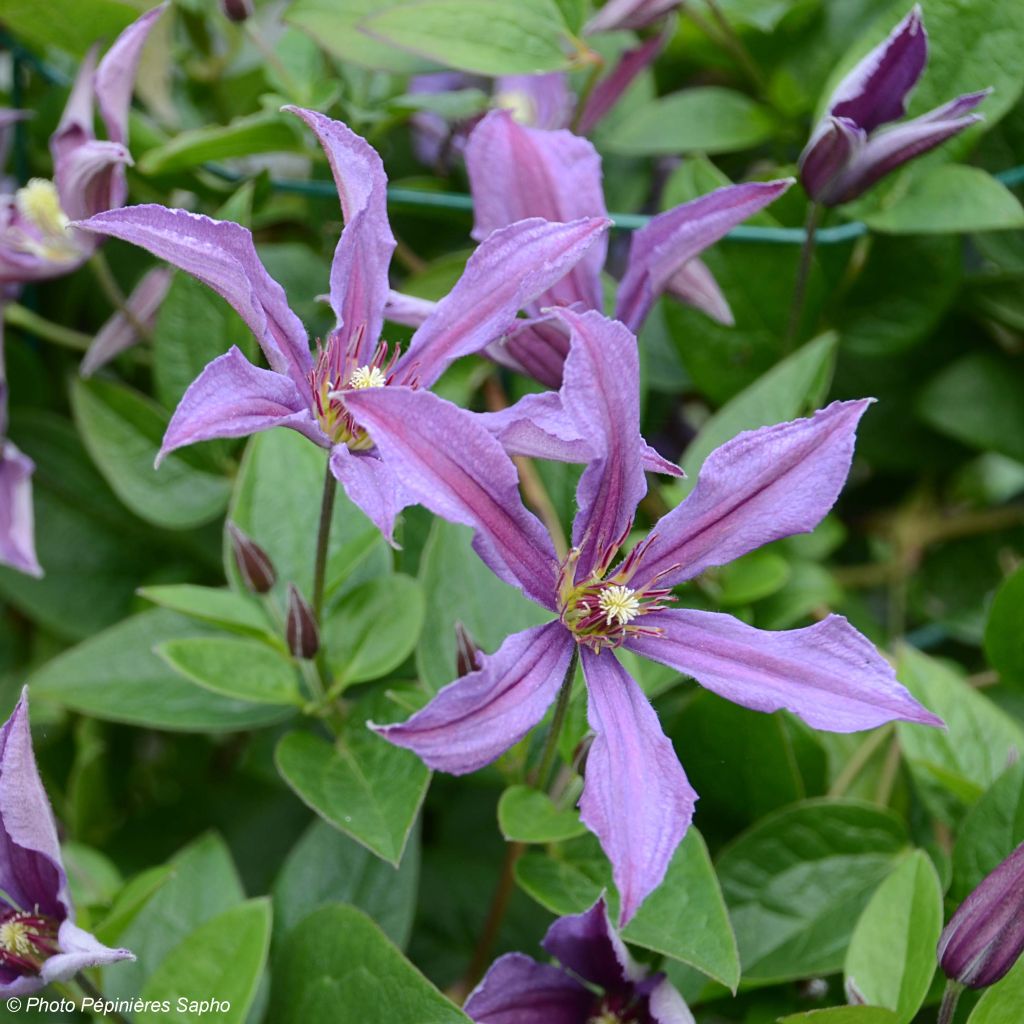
[[516, 172], [39, 941], [519, 990], [851, 148], [762, 485], [231, 397], [36, 240]]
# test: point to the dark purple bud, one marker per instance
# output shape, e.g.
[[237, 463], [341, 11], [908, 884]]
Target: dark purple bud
[[254, 564], [237, 10], [467, 654], [834, 143], [985, 936], [301, 630]]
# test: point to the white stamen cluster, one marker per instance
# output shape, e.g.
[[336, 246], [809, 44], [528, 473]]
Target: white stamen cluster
[[39, 205], [367, 377], [620, 604], [14, 938]]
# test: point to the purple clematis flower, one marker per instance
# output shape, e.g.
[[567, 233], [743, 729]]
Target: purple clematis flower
[[762, 485], [518, 990], [232, 398], [851, 148], [36, 240], [39, 941], [516, 171]]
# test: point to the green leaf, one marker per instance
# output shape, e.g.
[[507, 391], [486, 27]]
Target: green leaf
[[241, 668], [955, 765], [255, 133], [215, 605], [1004, 631], [339, 957], [135, 894], [891, 959], [122, 430], [222, 959], [949, 198], [325, 867], [72, 25], [1002, 1002], [752, 577], [976, 399], [117, 677], [361, 784], [374, 628], [796, 882], [526, 815], [486, 37], [462, 589], [843, 1015], [707, 119]]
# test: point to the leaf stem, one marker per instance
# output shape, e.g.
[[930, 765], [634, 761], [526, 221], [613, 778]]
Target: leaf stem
[[112, 290], [949, 1000], [100, 1000], [734, 44], [859, 759], [796, 309], [67, 337], [323, 537]]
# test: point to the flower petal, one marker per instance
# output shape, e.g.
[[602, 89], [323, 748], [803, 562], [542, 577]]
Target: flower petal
[[828, 674], [876, 90], [75, 125], [17, 522], [359, 271], [449, 461], [518, 990], [636, 797], [517, 172], [694, 285], [666, 1006], [591, 948], [535, 346], [90, 179], [540, 101], [221, 255], [478, 717], [407, 309], [610, 89], [119, 332], [762, 485], [78, 951], [834, 143], [673, 238], [511, 268], [372, 485], [233, 398], [618, 14]]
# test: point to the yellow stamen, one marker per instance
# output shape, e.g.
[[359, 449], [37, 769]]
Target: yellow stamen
[[367, 377], [39, 204], [519, 104], [14, 938], [619, 604]]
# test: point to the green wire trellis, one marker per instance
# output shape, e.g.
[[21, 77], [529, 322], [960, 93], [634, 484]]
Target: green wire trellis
[[412, 198]]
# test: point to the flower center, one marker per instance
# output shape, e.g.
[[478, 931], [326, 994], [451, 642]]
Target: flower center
[[519, 103], [26, 941], [44, 229], [367, 377], [620, 604]]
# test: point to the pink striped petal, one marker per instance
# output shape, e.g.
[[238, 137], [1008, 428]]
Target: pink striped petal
[[610, 89]]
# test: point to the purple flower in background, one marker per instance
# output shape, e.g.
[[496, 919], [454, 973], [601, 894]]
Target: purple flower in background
[[620, 14], [851, 148], [519, 990], [516, 172], [39, 941], [762, 485], [36, 241], [232, 398], [985, 937]]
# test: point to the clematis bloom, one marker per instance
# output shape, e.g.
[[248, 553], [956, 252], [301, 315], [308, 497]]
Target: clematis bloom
[[39, 941], [762, 485], [852, 147], [232, 398], [519, 990]]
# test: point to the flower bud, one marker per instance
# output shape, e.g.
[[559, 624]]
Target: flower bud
[[467, 654], [237, 10], [985, 936], [301, 630], [254, 564]]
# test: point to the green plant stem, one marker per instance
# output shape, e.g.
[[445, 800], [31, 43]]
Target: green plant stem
[[859, 759], [67, 337], [949, 1000], [539, 776], [796, 309], [323, 538], [734, 44], [588, 87], [273, 60], [112, 290], [90, 990]]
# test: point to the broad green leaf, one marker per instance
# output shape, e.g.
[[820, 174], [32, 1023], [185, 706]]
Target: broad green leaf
[[222, 959], [255, 133], [338, 957], [569, 879], [122, 430], [462, 589], [529, 816], [116, 676], [752, 577], [361, 784], [707, 119], [235, 667], [949, 198], [1001, 1003], [373, 628], [135, 894], [203, 883], [72, 25], [216, 605], [487, 37], [1004, 631], [891, 959], [325, 867], [92, 875], [761, 14], [796, 882], [955, 765], [843, 1015], [991, 831], [976, 399]]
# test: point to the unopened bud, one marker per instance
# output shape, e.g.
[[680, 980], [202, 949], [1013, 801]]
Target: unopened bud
[[301, 630], [237, 10], [985, 936], [467, 654], [254, 564]]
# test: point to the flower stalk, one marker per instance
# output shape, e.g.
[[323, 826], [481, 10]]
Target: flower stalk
[[950, 998], [803, 274]]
